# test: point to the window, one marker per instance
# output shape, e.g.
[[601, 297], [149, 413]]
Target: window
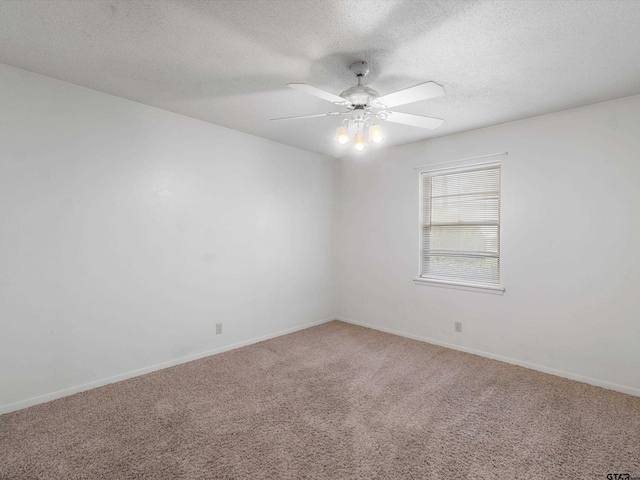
[[460, 227]]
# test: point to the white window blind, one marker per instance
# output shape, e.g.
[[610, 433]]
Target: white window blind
[[460, 231]]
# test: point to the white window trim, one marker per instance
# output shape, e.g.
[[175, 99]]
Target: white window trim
[[469, 287], [434, 282]]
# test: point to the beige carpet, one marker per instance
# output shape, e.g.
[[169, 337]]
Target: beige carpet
[[331, 402]]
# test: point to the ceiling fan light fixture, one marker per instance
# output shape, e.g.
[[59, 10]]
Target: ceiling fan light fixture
[[342, 135], [359, 142], [363, 106], [375, 133]]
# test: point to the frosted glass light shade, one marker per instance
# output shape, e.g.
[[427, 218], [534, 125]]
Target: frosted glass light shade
[[358, 143], [342, 135], [375, 133]]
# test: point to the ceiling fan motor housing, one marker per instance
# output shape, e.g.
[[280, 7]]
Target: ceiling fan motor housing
[[360, 95]]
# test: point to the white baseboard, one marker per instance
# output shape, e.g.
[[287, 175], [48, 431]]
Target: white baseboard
[[29, 402], [513, 361]]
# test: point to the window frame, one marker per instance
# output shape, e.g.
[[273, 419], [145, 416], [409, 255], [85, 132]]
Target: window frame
[[496, 289]]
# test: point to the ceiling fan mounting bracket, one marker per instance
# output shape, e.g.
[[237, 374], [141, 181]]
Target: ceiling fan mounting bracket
[[359, 69]]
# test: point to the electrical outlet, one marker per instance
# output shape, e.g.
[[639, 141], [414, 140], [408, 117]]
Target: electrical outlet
[[459, 327], [218, 328]]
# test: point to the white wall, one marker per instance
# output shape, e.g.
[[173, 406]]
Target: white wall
[[570, 245], [127, 232]]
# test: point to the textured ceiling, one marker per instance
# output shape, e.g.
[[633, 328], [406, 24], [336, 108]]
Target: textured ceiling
[[228, 62]]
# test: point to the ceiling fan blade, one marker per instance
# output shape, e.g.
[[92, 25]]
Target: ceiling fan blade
[[309, 116], [416, 93], [329, 97], [413, 120]]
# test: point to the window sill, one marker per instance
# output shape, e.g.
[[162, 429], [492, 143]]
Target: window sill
[[469, 287]]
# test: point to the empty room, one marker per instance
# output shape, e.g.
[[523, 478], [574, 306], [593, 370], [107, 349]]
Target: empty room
[[322, 239]]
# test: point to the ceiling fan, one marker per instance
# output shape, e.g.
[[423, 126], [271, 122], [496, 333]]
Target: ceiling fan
[[364, 106]]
